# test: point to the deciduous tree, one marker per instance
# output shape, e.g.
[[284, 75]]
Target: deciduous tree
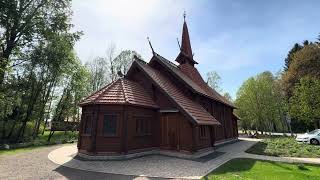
[[214, 80], [305, 102], [23, 23]]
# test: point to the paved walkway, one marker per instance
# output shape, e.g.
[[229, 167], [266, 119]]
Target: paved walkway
[[35, 165], [153, 165], [167, 167]]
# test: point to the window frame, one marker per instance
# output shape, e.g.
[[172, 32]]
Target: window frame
[[104, 133], [145, 128], [203, 132]]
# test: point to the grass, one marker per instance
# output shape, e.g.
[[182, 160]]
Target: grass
[[19, 150], [257, 169], [284, 147], [59, 137]]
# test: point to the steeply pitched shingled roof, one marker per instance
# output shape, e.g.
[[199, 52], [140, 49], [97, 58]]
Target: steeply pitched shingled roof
[[203, 90], [191, 108], [122, 91]]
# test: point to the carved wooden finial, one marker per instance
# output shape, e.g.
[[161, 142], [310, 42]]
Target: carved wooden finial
[[178, 43], [150, 45]]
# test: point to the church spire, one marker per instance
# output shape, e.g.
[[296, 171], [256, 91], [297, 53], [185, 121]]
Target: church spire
[[185, 56], [185, 42]]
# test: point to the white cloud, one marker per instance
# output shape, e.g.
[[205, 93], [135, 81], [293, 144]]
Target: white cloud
[[127, 24]]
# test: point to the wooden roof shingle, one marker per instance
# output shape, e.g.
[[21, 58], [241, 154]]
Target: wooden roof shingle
[[122, 91], [202, 89], [186, 105]]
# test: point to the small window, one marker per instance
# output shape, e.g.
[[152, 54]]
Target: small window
[[110, 124], [202, 131], [143, 126], [87, 124]]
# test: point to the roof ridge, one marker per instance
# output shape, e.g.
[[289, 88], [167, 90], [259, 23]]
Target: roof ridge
[[107, 88], [93, 93], [167, 60], [198, 86], [123, 90]]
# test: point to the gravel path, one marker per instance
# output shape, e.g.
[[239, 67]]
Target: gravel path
[[36, 165]]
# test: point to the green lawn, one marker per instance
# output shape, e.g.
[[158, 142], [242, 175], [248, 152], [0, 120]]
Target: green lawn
[[284, 146], [59, 137], [256, 170]]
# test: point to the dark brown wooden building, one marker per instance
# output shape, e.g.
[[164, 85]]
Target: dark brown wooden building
[[157, 105]]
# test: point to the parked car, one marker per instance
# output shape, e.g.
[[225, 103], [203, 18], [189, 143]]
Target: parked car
[[312, 137]]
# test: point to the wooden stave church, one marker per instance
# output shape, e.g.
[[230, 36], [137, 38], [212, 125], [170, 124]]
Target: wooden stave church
[[157, 105]]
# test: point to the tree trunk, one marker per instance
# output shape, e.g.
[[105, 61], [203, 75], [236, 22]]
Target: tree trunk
[[50, 135], [21, 131], [43, 104], [3, 130], [12, 129], [46, 122], [3, 67]]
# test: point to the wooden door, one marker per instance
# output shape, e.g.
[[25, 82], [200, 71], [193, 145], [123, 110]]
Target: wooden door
[[169, 131]]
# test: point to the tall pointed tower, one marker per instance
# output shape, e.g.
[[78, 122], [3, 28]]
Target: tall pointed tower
[[186, 45], [185, 57]]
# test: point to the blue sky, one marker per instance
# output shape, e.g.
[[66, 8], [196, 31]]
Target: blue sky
[[238, 39]]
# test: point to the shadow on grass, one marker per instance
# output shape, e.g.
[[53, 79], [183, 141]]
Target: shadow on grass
[[302, 167], [258, 148], [232, 166], [282, 166]]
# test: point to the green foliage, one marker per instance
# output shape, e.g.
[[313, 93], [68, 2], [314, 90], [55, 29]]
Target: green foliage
[[300, 84], [26, 23], [58, 138], [104, 70], [289, 57], [121, 64], [99, 74], [285, 147], [124, 60], [305, 63], [37, 61], [261, 104], [305, 102], [75, 89], [257, 169]]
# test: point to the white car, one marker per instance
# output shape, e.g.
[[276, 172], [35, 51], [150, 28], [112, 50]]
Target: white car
[[312, 137]]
